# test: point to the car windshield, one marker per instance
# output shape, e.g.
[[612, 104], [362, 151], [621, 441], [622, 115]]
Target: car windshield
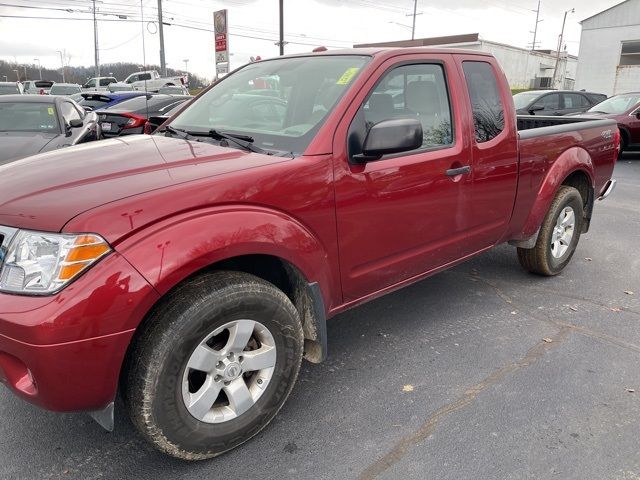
[[523, 99], [280, 103], [64, 90], [9, 89], [617, 104], [28, 117]]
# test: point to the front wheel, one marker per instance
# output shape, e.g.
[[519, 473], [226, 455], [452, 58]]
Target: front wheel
[[558, 237], [217, 362]]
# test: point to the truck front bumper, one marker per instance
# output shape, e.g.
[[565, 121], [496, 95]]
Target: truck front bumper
[[65, 352]]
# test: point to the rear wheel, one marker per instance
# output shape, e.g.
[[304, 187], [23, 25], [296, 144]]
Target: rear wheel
[[217, 363], [558, 236]]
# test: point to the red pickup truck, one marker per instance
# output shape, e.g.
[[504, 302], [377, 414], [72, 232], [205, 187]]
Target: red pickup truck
[[193, 269]]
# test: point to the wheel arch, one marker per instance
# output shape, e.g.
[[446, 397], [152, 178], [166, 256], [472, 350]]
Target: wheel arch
[[574, 167]]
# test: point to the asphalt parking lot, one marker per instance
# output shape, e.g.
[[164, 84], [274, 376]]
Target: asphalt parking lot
[[481, 372]]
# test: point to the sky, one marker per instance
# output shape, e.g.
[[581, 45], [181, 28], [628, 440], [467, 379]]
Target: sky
[[308, 23]]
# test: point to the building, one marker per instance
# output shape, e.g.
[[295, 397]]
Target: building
[[523, 68], [610, 50]]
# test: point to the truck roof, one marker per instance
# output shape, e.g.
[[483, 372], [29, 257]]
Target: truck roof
[[391, 51]]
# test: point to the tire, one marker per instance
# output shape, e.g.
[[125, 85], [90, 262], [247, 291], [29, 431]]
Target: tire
[[159, 381], [624, 142], [548, 257]]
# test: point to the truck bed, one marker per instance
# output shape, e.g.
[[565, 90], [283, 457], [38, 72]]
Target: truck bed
[[545, 140]]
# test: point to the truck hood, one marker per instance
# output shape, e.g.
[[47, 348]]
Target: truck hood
[[45, 191], [17, 145]]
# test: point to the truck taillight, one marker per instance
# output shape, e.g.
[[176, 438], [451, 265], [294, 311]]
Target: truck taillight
[[134, 120]]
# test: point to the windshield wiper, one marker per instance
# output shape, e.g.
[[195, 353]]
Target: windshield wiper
[[243, 141], [598, 111], [176, 131]]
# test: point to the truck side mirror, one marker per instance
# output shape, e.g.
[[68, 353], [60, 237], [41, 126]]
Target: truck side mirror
[[637, 114], [390, 136], [75, 123], [536, 107]]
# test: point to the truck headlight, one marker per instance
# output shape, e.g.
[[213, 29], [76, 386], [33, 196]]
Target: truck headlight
[[38, 263]]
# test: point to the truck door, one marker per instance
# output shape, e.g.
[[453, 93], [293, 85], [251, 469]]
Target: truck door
[[495, 150], [405, 214]]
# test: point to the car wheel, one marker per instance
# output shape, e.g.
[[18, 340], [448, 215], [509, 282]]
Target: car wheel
[[216, 363], [558, 236]]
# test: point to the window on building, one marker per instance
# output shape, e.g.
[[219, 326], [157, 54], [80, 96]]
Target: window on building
[[488, 111], [630, 54]]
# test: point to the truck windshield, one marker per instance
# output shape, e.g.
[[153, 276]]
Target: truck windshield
[[617, 104], [280, 103]]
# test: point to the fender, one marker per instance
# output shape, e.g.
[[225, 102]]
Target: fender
[[571, 160], [173, 249]]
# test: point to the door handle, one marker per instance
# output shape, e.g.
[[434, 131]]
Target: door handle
[[452, 172]]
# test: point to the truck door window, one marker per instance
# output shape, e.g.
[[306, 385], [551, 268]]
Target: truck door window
[[91, 83], [413, 91], [144, 76], [486, 104]]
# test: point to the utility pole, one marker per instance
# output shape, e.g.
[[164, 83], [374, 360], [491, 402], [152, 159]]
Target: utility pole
[[281, 42], [414, 15], [62, 62], [535, 30], [39, 67], [25, 72], [95, 41], [163, 64], [555, 70], [186, 65]]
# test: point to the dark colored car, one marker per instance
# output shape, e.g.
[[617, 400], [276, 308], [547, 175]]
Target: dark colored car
[[129, 117], [624, 109], [555, 102], [34, 124], [99, 100]]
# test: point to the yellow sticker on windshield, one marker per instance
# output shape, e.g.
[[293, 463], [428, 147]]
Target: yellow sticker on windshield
[[50, 110], [347, 76]]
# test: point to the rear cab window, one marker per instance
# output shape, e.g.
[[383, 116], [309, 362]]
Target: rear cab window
[[486, 103]]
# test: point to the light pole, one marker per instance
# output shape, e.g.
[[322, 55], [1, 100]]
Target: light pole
[[95, 40], [555, 70], [5, 77], [39, 67], [186, 65], [62, 62], [414, 15], [17, 73], [25, 72]]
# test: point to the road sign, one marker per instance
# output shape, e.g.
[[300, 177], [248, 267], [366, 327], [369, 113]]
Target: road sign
[[221, 32], [222, 68]]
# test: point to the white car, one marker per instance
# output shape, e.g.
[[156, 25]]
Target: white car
[[65, 89], [99, 84], [37, 87], [151, 81]]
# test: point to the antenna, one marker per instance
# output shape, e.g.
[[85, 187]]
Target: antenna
[[144, 61]]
